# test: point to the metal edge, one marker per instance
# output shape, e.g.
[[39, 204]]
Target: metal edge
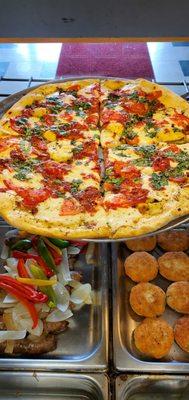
[[34, 379], [132, 364], [122, 382], [95, 361]]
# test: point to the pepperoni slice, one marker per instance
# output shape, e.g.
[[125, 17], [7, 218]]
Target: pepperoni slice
[[178, 179], [15, 126], [89, 198], [89, 149], [17, 154], [135, 108], [180, 119], [38, 143], [54, 170], [161, 163], [27, 112], [154, 95], [125, 170], [70, 207], [129, 198], [92, 119], [31, 197], [109, 115], [48, 119]]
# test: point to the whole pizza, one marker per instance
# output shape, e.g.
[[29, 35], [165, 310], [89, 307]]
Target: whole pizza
[[95, 159]]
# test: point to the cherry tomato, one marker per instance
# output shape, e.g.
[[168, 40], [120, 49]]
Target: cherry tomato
[[70, 207]]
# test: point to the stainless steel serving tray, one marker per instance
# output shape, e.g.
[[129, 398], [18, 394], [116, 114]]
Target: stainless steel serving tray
[[84, 345], [10, 100], [49, 386], [152, 387], [126, 356]]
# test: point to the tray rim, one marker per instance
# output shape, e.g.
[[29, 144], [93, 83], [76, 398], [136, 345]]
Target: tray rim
[[97, 360], [15, 97], [120, 384], [130, 363]]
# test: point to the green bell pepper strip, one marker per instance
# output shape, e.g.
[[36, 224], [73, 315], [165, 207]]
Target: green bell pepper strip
[[45, 254], [49, 291], [23, 244], [59, 242]]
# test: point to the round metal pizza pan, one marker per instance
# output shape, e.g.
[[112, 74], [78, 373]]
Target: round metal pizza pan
[[10, 100]]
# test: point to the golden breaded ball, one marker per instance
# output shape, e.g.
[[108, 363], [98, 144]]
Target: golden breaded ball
[[141, 267], [177, 297], [173, 240], [145, 244], [154, 337], [147, 300], [174, 266], [181, 332]]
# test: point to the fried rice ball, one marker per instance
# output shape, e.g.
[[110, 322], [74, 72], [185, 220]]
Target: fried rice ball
[[141, 267], [154, 337], [177, 297], [173, 240], [174, 266], [181, 332], [145, 244], [147, 299]]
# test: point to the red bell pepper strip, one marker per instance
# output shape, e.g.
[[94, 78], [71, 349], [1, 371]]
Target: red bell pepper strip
[[27, 256], [22, 271], [27, 292], [57, 258], [30, 307]]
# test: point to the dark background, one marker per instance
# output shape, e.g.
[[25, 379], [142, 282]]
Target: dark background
[[86, 18]]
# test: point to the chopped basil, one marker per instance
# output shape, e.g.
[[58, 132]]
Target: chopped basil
[[159, 180], [75, 185], [57, 181], [77, 148], [22, 175], [82, 105], [25, 146], [129, 134], [142, 162], [78, 162], [96, 136], [23, 168], [115, 181]]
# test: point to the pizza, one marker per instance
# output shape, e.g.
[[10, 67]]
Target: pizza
[[94, 159]]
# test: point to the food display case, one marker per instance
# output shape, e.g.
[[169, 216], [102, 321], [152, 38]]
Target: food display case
[[96, 357]]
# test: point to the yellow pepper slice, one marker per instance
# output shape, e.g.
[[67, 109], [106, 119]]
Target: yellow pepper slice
[[37, 282]]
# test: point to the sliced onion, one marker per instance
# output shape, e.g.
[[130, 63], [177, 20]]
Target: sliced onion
[[64, 268], [12, 263], [9, 299], [57, 315], [74, 284], [81, 293], [13, 232], [12, 335], [4, 252], [73, 250], [63, 297], [89, 256], [22, 320]]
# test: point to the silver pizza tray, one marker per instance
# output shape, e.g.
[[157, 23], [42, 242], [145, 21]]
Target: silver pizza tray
[[10, 100]]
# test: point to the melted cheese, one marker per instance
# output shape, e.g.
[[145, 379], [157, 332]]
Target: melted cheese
[[61, 150]]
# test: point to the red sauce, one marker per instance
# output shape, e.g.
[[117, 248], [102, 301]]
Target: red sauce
[[109, 115], [129, 198], [31, 197], [89, 198]]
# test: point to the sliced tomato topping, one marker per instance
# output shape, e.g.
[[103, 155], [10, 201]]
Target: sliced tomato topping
[[17, 154], [70, 207], [134, 141], [180, 119], [161, 163], [15, 126], [173, 148], [48, 119], [130, 198], [154, 95], [135, 108], [89, 149], [27, 112], [92, 119], [109, 115], [125, 170], [67, 116], [54, 169], [31, 197], [178, 179], [38, 143], [89, 198]]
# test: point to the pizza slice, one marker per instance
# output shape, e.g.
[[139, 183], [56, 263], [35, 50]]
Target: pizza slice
[[145, 187], [141, 112], [55, 109]]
